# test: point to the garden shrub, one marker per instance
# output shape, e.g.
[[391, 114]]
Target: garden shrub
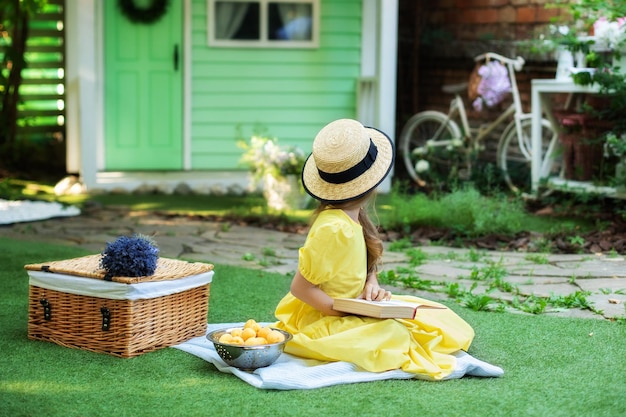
[[465, 211]]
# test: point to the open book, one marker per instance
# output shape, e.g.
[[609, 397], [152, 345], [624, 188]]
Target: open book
[[395, 309]]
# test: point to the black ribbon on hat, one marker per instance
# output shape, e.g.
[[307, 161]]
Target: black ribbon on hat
[[353, 172]]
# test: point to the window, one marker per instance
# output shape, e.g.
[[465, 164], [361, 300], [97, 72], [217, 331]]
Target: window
[[263, 23]]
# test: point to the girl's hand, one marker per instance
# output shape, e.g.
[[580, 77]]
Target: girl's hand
[[373, 292]]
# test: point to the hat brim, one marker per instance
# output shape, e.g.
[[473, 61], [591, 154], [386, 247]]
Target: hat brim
[[358, 187]]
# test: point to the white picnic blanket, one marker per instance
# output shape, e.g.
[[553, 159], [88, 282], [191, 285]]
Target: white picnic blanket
[[18, 211], [291, 372]]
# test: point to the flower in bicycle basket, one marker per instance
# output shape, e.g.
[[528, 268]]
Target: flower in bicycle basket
[[422, 166], [494, 85], [134, 256]]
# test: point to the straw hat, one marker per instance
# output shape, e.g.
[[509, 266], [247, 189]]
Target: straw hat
[[348, 161]]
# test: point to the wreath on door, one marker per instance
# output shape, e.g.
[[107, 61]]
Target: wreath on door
[[150, 14]]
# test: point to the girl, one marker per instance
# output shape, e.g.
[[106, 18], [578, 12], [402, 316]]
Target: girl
[[340, 258]]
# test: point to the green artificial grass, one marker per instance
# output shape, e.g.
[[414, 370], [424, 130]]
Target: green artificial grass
[[553, 366]]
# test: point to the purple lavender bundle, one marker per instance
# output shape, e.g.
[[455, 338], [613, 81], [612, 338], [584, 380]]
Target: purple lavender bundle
[[134, 256]]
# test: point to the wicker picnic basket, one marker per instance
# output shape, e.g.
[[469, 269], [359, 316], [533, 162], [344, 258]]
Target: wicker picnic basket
[[119, 327]]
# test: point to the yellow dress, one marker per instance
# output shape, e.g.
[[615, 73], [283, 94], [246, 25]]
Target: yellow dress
[[334, 258]]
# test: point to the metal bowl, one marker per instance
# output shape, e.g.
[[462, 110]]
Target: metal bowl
[[248, 358]]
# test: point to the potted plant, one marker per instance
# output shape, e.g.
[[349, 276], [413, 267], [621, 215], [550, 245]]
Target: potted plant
[[606, 109], [602, 37], [277, 168], [615, 147]]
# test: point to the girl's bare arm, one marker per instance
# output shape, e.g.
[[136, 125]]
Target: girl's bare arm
[[312, 295]]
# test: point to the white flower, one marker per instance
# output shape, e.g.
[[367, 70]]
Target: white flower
[[422, 166], [264, 156], [419, 151], [563, 29], [457, 142], [610, 35]]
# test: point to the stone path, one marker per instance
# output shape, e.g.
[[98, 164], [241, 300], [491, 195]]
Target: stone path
[[541, 275]]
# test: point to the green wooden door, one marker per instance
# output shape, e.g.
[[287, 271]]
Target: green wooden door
[[143, 81]]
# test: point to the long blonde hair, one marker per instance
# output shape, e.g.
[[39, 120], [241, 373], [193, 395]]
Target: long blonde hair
[[370, 232]]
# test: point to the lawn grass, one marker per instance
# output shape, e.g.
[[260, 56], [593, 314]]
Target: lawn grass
[[464, 211], [553, 366]]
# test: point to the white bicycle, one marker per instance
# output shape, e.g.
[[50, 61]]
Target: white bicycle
[[434, 147]]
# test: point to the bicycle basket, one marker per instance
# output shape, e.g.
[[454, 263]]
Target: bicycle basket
[[474, 82]]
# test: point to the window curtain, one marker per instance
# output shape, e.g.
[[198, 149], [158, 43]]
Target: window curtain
[[296, 21], [228, 18]]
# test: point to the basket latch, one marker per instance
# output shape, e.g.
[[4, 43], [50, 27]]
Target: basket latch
[[106, 318], [47, 309]]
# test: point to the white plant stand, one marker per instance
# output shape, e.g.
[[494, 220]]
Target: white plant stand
[[541, 106]]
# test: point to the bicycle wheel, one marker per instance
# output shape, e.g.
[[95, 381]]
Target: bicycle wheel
[[431, 147], [514, 156]]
